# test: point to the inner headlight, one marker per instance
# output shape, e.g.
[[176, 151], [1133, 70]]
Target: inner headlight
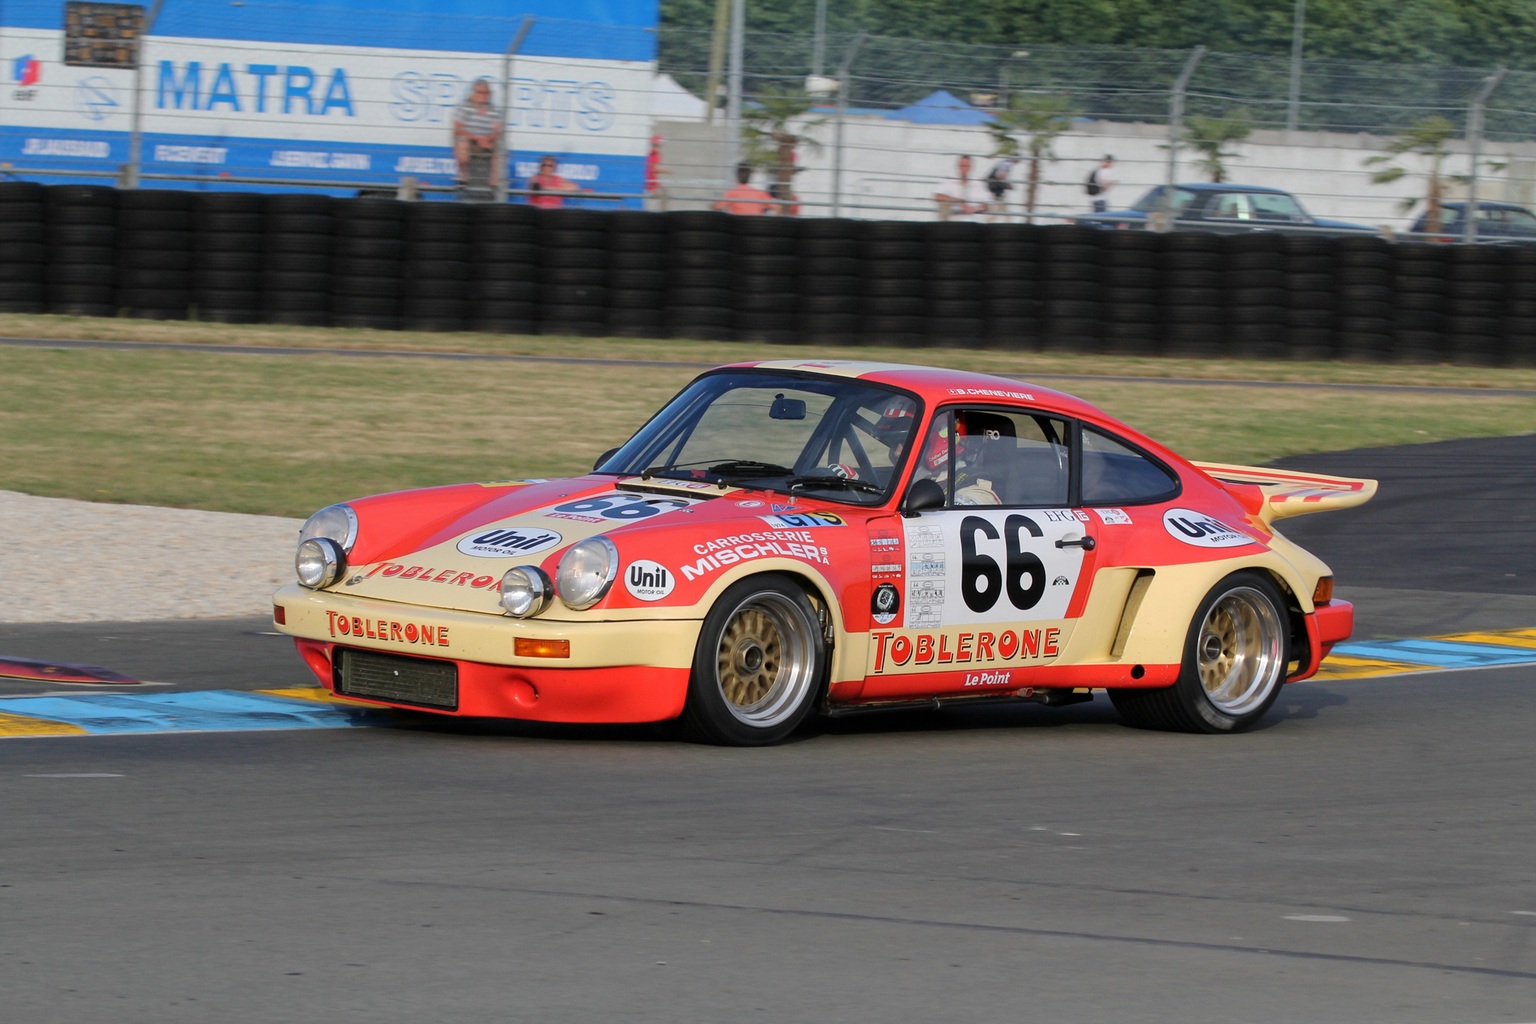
[[337, 522], [525, 591], [587, 570], [319, 562]]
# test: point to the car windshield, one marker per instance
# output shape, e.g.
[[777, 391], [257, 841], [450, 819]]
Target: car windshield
[[834, 437]]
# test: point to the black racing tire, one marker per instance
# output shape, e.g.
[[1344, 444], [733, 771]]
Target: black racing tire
[[759, 665], [1234, 663]]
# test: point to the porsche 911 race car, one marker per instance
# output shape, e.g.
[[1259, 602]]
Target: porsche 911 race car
[[787, 538]]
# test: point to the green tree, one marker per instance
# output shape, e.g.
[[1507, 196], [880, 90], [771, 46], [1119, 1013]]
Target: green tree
[[1209, 137], [1427, 138], [773, 126], [1025, 128]]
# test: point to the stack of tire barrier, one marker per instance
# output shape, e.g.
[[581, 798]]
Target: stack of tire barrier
[[1073, 289], [957, 311], [1194, 300], [504, 269], [227, 260], [1010, 275], [23, 248], [767, 288], [896, 277], [1310, 298], [638, 243], [82, 250], [573, 276], [154, 241], [1365, 321], [435, 289], [368, 262], [834, 274], [1130, 311], [1479, 275], [376, 262], [1253, 276], [296, 266], [1421, 275], [701, 299], [1520, 307]]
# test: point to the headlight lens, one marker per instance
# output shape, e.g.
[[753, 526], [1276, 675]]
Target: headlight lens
[[587, 570], [525, 591], [337, 522], [319, 562]]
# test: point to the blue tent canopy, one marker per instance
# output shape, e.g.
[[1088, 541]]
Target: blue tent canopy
[[941, 107]]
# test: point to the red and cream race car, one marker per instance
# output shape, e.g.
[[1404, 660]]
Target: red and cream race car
[[791, 538]]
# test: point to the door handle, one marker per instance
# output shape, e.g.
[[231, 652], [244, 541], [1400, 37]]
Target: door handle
[[1086, 543]]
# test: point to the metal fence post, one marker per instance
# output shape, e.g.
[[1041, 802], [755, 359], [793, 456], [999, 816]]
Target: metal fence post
[[1176, 129], [1475, 146], [1293, 99], [503, 141], [843, 69], [136, 135]]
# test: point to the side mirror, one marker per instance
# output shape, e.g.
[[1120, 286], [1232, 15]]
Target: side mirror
[[604, 458], [921, 496]]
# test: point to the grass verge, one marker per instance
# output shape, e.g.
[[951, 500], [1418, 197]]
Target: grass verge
[[284, 435]]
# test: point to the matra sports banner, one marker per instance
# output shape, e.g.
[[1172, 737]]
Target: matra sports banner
[[343, 92]]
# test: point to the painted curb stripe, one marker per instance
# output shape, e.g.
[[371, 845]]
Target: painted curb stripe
[[1439, 653], [197, 711], [22, 725]]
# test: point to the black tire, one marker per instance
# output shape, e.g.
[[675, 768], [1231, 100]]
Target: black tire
[[759, 665], [1233, 667]]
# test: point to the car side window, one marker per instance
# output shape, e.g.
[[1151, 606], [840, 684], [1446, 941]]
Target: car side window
[[989, 456], [1114, 473], [1278, 208]]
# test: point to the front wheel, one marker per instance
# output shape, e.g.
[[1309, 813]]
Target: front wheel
[[758, 665], [1234, 663]]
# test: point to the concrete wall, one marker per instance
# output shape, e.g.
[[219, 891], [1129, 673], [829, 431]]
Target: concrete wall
[[891, 168]]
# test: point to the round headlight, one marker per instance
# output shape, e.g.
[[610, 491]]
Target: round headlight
[[525, 591], [587, 570], [319, 562], [336, 522]]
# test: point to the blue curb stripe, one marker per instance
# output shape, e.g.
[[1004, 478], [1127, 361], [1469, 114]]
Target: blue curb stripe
[[1438, 653], [198, 711]]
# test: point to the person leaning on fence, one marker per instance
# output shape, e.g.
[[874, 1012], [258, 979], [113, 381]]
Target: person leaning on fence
[[547, 189], [746, 199], [962, 197], [1099, 183], [476, 129]]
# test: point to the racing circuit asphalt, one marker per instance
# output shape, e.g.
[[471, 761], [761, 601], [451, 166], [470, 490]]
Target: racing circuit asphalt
[[1364, 856]]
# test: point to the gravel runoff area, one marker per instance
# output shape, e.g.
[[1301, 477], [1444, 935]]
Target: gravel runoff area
[[81, 561]]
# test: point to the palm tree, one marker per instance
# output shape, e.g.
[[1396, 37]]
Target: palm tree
[[1427, 138], [1036, 118], [773, 127], [1209, 136]]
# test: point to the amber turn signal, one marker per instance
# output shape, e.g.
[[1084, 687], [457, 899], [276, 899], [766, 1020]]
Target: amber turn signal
[[1323, 592], [527, 647]]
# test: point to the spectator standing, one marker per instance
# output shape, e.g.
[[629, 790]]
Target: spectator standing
[[962, 197], [1099, 183], [746, 199], [477, 125], [548, 188]]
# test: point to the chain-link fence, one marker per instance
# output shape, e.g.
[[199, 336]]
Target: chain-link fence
[[361, 95]]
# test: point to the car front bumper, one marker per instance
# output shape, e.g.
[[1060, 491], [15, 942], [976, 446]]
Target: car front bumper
[[633, 670]]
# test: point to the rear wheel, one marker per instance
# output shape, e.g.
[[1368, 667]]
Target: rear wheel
[[758, 665], [1234, 663]]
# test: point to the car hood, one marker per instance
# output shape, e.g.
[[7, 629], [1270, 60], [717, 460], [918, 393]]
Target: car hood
[[449, 547]]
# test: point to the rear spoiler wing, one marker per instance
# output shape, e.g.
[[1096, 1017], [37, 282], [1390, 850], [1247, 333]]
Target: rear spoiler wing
[[1274, 494]]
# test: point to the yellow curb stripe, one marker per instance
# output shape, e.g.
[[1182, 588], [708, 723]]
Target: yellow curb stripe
[[24, 725], [1522, 638], [1342, 666], [315, 694]]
